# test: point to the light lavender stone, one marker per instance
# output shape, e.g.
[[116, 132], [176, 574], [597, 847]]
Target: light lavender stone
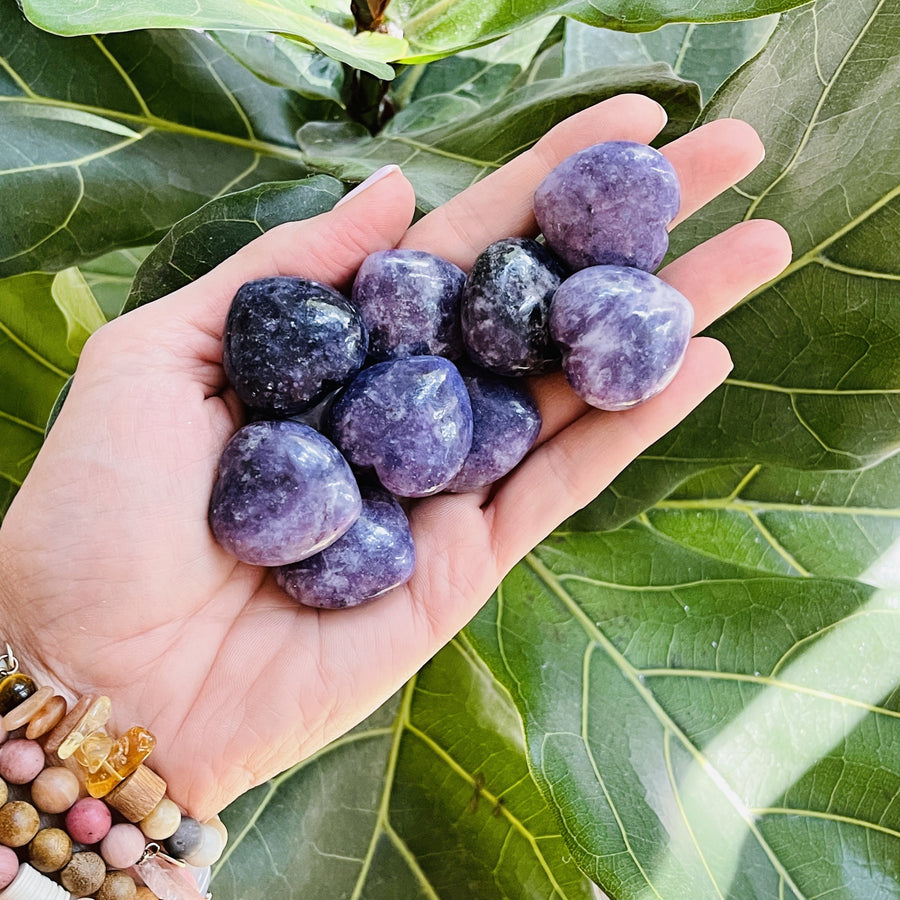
[[375, 555], [609, 205], [506, 423], [409, 420], [282, 493], [409, 300], [623, 334], [506, 308], [289, 342]]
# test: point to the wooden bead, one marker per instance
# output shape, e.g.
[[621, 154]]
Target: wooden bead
[[19, 823], [46, 718], [117, 886], [55, 790], [50, 849], [144, 893], [4, 792], [15, 689], [138, 795], [83, 874], [22, 714], [65, 725]]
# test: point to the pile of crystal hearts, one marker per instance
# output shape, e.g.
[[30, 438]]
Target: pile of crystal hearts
[[414, 385]]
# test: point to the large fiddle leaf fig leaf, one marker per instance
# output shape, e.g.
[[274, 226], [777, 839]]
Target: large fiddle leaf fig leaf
[[435, 29], [430, 797], [202, 240], [327, 26], [442, 151], [705, 729], [122, 136], [705, 53], [816, 382]]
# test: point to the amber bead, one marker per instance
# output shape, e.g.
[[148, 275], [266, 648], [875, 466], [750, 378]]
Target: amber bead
[[50, 849], [83, 874], [22, 714], [95, 717], [47, 717], [19, 823], [15, 689], [117, 886], [130, 751]]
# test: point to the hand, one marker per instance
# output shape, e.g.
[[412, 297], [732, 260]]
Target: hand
[[110, 581]]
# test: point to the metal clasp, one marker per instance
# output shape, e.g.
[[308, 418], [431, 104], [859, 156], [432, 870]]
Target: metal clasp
[[9, 665]]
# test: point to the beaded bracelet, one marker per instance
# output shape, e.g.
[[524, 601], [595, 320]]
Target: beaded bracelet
[[81, 815]]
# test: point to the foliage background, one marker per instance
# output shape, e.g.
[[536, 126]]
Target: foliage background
[[690, 689]]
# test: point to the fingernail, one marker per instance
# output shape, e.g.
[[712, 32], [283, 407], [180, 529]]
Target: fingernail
[[377, 175], [663, 115]]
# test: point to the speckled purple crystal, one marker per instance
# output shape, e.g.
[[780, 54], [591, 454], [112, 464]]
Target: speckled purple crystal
[[375, 555], [282, 493], [506, 307], [623, 334], [289, 342], [409, 300], [506, 423], [609, 205], [410, 420]]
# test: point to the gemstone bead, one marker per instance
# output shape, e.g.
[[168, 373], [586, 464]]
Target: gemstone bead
[[186, 840], [94, 718], [93, 750], [4, 734], [46, 718], [127, 754], [15, 689], [168, 881], [117, 886], [50, 849], [163, 822], [88, 821], [210, 849], [19, 823], [55, 790], [123, 846], [61, 730], [9, 866], [21, 761], [83, 874], [22, 714]]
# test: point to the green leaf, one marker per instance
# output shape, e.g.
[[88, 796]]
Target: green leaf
[[703, 729], [75, 300], [110, 277], [707, 54], [123, 136], [435, 29], [369, 51], [816, 383], [800, 523], [442, 152], [430, 797], [37, 338], [214, 232]]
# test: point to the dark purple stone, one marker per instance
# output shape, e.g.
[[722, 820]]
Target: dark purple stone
[[375, 555], [283, 492], [409, 300], [623, 334], [506, 308], [408, 419], [289, 342], [609, 205], [506, 423]]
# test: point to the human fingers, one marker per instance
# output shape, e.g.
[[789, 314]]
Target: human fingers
[[585, 456], [499, 205]]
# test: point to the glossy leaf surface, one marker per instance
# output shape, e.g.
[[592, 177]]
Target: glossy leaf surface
[[123, 136], [430, 797]]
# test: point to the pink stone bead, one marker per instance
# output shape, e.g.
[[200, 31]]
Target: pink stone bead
[[55, 790], [123, 846], [4, 734], [21, 761], [88, 821], [9, 866]]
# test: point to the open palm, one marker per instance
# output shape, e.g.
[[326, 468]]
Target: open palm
[[110, 581]]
